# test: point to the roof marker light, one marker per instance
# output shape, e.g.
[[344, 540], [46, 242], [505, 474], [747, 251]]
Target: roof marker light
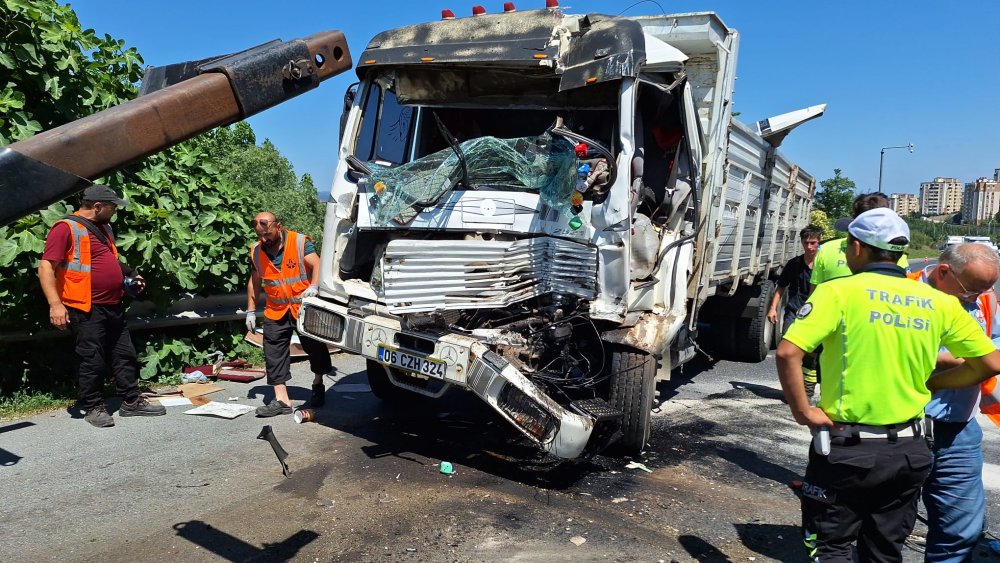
[[509, 7], [478, 10], [551, 4], [447, 15]]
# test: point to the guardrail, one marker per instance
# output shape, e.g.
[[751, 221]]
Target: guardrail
[[142, 315]]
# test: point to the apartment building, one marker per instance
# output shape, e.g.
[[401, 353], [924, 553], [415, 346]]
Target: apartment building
[[981, 199], [941, 196], [904, 204]]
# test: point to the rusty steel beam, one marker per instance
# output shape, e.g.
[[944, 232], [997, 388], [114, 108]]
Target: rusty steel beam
[[94, 146]]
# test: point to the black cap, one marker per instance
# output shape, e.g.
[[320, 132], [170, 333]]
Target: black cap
[[101, 193]]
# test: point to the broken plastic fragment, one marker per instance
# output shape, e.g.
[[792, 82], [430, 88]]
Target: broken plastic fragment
[[446, 468], [637, 465]]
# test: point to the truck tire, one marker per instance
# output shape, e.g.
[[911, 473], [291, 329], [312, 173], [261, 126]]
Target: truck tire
[[757, 333], [378, 380], [633, 387]]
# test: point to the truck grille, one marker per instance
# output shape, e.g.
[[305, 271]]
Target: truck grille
[[322, 324], [433, 275]]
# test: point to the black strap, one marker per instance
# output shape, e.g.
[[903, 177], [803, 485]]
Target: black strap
[[101, 236], [99, 233]]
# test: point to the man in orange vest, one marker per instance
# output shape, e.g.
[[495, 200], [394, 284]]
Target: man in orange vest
[[953, 492], [84, 284], [286, 266]]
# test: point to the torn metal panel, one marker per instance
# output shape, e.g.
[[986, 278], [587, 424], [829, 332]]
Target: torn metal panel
[[607, 48], [430, 275], [650, 334], [496, 39]]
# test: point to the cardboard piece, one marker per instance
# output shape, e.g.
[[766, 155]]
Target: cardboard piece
[[191, 390]]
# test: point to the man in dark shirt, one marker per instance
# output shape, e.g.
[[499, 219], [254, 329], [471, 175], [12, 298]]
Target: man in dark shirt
[[794, 280], [82, 280]]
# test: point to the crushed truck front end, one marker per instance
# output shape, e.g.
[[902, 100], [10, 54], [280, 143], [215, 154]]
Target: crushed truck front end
[[516, 215]]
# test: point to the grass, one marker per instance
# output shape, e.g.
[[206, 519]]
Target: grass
[[23, 403]]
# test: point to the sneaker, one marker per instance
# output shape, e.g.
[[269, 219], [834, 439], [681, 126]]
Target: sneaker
[[99, 417], [141, 407], [318, 398], [274, 408]]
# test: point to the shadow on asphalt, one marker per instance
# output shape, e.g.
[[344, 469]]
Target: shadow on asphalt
[[231, 548], [454, 428], [779, 542], [702, 550]]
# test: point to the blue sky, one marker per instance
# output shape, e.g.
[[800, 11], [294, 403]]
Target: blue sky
[[893, 73]]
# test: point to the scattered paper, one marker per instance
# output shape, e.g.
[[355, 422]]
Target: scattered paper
[[173, 401], [224, 410], [352, 388], [613, 501], [577, 540], [637, 465]]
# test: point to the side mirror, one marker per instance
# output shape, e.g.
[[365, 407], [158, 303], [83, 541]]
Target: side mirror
[[349, 95]]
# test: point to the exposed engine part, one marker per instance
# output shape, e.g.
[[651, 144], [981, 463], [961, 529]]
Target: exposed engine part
[[551, 339]]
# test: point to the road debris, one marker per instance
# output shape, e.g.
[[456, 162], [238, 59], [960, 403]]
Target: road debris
[[268, 435], [637, 465], [618, 500], [222, 410], [446, 468], [578, 541]]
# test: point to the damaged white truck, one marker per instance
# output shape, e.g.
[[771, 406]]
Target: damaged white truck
[[544, 209]]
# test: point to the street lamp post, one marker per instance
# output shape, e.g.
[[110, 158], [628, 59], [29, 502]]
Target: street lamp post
[[881, 160]]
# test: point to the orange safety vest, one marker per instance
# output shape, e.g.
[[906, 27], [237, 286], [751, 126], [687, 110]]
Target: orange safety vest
[[989, 403], [283, 289], [73, 275]]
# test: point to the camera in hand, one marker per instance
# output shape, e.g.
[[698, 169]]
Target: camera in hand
[[133, 286]]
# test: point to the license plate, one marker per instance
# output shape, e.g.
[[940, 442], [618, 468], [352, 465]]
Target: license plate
[[411, 362]]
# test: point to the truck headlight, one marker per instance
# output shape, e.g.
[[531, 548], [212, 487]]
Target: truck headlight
[[527, 413], [322, 323]]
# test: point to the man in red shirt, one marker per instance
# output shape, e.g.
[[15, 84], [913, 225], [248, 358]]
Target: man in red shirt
[[84, 284]]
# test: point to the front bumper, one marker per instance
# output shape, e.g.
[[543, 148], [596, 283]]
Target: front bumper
[[470, 364]]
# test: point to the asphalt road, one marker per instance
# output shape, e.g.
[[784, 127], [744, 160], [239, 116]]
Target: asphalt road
[[365, 484]]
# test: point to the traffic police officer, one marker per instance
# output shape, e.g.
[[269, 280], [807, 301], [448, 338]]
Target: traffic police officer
[[881, 333]]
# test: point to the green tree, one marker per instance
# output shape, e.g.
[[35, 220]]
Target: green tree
[[269, 179], [819, 219], [186, 229], [836, 196]]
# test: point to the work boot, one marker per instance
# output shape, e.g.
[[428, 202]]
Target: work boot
[[99, 417], [274, 408], [318, 398], [141, 407]]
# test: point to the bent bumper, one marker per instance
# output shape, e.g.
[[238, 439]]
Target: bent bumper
[[470, 364]]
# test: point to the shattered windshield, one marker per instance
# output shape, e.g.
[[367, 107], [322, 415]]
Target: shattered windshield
[[543, 164]]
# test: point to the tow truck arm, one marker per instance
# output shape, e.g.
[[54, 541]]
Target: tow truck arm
[[177, 102]]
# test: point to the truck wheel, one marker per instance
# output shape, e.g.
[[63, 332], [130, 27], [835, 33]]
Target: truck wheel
[[378, 380], [633, 386], [757, 333], [778, 329]]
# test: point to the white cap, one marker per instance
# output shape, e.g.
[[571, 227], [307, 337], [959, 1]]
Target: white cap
[[877, 227]]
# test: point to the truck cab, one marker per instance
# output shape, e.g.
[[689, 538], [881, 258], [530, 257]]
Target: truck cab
[[533, 206]]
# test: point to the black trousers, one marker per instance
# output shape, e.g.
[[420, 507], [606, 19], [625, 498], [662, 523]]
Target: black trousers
[[866, 491], [103, 343], [277, 338]]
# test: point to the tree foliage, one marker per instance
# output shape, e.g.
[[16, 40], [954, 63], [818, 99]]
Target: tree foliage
[[836, 196], [819, 219], [269, 176], [187, 226]]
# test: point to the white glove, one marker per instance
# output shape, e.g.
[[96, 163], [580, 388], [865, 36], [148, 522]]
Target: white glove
[[251, 321], [311, 291]]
